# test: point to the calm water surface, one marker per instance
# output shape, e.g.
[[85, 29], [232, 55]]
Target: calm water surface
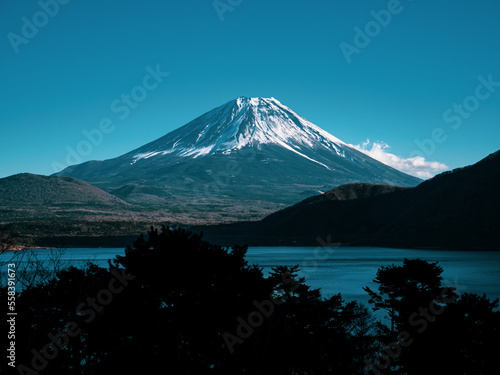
[[347, 270]]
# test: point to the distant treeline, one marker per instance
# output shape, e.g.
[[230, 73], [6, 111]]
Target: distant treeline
[[74, 233]]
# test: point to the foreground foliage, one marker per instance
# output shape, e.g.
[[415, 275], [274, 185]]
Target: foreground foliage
[[177, 304]]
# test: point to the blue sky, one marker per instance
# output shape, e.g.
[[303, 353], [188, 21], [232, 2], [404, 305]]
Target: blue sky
[[420, 84]]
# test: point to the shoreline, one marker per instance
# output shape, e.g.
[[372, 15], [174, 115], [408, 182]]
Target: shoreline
[[108, 242], [25, 247]]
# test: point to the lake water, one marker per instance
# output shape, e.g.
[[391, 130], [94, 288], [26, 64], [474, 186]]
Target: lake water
[[346, 270]]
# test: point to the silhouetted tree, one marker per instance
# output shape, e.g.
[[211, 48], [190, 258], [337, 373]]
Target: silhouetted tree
[[463, 339], [204, 292], [442, 333], [402, 289]]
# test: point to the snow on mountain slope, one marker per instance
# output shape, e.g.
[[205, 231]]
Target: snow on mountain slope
[[239, 123]]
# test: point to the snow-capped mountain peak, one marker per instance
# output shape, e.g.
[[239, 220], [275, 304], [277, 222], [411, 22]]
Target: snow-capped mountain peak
[[239, 123]]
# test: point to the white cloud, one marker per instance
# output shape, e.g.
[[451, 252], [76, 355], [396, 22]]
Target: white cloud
[[416, 166]]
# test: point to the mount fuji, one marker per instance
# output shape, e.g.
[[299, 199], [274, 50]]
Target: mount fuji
[[242, 160]]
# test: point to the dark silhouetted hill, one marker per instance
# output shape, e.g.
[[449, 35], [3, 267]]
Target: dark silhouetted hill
[[456, 209]]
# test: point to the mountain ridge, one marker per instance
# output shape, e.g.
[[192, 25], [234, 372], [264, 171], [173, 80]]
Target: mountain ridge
[[454, 210]]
